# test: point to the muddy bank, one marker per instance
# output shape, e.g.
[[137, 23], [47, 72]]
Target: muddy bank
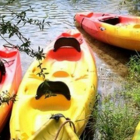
[[111, 64]]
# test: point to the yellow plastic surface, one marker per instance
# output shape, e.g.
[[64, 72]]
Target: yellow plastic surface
[[30, 115], [125, 36], [137, 133]]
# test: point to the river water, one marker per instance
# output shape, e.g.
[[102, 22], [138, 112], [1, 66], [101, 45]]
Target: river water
[[111, 61]]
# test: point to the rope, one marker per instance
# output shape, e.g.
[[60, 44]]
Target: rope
[[67, 121]]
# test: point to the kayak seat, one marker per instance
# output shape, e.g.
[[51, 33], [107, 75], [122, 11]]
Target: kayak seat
[[65, 48], [113, 20], [65, 53], [67, 41], [2, 70], [52, 88]]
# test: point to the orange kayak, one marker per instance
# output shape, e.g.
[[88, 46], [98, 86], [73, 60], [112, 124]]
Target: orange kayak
[[10, 77], [118, 30]]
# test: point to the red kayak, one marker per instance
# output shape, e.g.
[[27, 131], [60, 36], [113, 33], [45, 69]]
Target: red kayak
[[10, 78], [117, 30]]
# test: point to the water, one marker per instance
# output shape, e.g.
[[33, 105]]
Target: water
[[60, 15], [110, 60]]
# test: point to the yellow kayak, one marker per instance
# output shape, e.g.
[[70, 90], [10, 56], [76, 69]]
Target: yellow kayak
[[57, 105], [137, 133]]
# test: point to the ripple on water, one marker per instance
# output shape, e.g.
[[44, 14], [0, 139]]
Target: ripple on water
[[60, 14]]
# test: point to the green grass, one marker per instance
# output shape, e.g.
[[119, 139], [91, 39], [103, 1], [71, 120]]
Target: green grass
[[116, 116], [116, 119]]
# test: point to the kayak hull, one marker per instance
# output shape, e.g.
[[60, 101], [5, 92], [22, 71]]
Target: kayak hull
[[117, 30], [137, 133], [10, 81], [74, 68]]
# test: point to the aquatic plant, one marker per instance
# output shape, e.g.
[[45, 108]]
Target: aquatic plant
[[115, 119], [12, 27], [116, 115], [134, 68], [132, 5]]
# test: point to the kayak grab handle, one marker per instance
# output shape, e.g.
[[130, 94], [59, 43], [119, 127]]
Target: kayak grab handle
[[67, 41], [52, 88], [59, 122]]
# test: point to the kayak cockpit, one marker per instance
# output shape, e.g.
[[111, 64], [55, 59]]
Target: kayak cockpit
[[113, 20], [52, 88], [66, 48]]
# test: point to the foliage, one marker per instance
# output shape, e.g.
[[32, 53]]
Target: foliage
[[117, 115], [132, 5], [133, 93], [132, 89], [12, 28], [116, 119], [6, 97], [134, 68]]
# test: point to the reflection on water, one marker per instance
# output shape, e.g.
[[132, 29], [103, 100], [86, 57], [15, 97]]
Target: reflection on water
[[60, 14]]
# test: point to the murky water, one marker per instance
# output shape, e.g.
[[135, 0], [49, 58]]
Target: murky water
[[60, 15], [110, 60]]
